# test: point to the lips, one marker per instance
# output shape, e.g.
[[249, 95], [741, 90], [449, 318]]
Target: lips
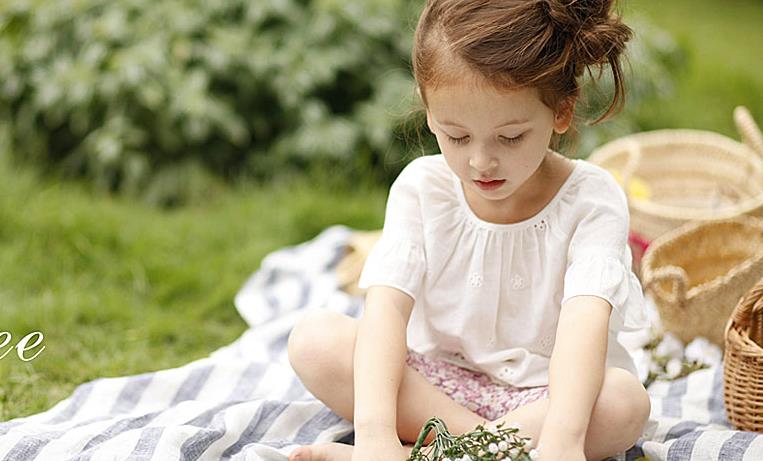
[[489, 184]]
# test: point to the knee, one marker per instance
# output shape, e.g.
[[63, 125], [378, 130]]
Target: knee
[[625, 404], [314, 343]]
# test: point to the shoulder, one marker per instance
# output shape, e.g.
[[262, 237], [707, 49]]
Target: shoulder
[[596, 214], [426, 165], [594, 205], [596, 188], [425, 173]]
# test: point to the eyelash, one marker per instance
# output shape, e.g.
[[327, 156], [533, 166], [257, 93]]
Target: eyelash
[[462, 140]]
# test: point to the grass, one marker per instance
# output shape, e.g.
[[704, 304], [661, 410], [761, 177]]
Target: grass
[[724, 66], [119, 288]]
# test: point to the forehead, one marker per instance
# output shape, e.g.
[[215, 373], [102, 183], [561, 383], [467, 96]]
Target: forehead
[[471, 102]]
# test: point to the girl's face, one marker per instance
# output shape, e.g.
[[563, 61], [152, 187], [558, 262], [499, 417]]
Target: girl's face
[[494, 141]]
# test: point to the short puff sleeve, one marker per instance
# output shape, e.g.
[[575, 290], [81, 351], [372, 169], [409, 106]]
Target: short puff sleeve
[[599, 259], [397, 259]]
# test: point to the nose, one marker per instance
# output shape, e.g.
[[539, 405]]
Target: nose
[[482, 161]]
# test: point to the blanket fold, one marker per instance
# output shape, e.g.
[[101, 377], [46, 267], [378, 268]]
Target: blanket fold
[[244, 402]]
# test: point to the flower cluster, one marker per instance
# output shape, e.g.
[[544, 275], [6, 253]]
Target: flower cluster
[[670, 360], [478, 445]]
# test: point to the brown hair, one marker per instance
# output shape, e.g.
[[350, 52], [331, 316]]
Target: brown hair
[[546, 44]]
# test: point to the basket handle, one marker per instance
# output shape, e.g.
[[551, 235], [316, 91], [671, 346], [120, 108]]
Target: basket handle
[[676, 275], [750, 306], [748, 129], [634, 160]]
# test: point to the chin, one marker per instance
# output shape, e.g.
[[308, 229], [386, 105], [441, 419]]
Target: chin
[[496, 195]]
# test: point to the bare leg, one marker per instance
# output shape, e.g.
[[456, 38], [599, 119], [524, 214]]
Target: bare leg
[[617, 419], [321, 349]]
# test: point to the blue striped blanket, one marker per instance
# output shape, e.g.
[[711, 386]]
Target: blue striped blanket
[[244, 402]]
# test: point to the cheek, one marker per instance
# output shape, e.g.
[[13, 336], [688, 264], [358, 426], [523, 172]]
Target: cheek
[[459, 164], [522, 169]]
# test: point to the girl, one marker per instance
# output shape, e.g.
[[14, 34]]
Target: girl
[[503, 275]]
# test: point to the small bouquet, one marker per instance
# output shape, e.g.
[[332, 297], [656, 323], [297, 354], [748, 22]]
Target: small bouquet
[[669, 359], [477, 445]]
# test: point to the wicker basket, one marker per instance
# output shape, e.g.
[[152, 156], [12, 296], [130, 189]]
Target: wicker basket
[[743, 363], [697, 273], [691, 175]]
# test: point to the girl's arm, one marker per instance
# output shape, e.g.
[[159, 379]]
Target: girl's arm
[[379, 361], [576, 371]]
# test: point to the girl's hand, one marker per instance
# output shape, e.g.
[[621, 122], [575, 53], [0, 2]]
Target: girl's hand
[[379, 448]]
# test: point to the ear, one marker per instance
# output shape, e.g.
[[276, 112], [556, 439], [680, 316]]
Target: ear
[[563, 116]]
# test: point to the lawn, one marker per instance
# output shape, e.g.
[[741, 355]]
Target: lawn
[[118, 287], [724, 66]]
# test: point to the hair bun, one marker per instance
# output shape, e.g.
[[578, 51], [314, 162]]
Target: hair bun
[[595, 36]]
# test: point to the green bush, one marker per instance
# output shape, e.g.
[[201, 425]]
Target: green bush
[[138, 94], [164, 99]]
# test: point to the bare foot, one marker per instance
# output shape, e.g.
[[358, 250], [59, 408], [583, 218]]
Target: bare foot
[[327, 452], [322, 452]]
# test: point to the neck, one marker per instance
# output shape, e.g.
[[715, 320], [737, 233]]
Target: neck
[[526, 201]]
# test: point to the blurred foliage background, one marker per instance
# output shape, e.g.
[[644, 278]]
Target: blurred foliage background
[[168, 99], [151, 153]]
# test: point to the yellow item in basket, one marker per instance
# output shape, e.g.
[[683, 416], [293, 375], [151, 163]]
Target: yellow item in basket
[[637, 188]]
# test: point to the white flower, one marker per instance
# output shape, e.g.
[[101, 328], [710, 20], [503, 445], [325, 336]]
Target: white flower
[[492, 448], [673, 368], [466, 458], [670, 346], [655, 368], [514, 452], [534, 454], [703, 351], [503, 446]]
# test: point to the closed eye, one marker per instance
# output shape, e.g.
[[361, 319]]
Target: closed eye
[[465, 139], [513, 140], [461, 140]]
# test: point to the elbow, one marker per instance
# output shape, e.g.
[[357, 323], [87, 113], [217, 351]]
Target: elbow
[[383, 300]]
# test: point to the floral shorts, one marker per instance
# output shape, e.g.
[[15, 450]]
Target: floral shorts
[[474, 390]]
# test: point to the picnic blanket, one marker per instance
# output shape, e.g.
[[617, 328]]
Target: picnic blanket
[[244, 402]]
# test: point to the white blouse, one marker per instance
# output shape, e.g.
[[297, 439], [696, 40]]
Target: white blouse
[[488, 296]]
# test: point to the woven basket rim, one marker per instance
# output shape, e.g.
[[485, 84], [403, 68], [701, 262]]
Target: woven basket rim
[[685, 232], [723, 279], [685, 136], [734, 333], [677, 136], [740, 341]]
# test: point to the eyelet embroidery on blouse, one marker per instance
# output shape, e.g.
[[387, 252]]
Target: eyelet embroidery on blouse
[[475, 280], [505, 372], [547, 342], [517, 282], [541, 225]]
